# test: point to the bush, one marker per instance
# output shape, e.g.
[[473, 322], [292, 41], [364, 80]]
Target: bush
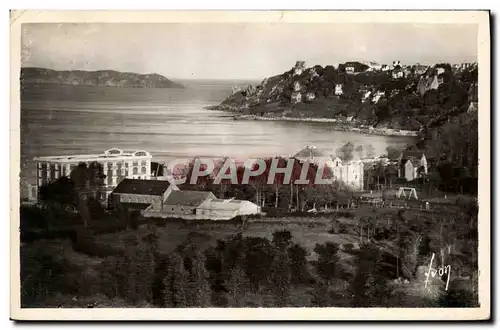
[[85, 243]]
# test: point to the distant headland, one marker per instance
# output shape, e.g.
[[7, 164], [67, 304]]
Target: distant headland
[[110, 78]]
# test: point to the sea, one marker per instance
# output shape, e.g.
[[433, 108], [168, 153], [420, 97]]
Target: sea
[[169, 123]]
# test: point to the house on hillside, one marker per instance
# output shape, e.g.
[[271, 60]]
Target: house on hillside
[[385, 68], [412, 164], [396, 64], [296, 86], [139, 194], [296, 97], [299, 67], [350, 69], [225, 209], [366, 96], [377, 96], [473, 107], [310, 96], [397, 74], [339, 89]]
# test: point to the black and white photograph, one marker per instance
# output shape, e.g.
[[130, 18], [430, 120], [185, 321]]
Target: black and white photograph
[[210, 162]]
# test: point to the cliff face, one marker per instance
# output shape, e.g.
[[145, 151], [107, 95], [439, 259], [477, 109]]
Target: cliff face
[[96, 78], [363, 96]]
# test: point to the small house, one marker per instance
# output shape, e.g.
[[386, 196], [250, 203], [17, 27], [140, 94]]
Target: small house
[[296, 97], [339, 89], [412, 164]]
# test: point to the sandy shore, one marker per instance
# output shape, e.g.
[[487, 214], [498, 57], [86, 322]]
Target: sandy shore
[[339, 127]]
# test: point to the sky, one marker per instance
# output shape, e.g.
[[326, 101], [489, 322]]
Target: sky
[[239, 51]]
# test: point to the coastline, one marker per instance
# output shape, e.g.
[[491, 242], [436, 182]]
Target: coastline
[[339, 125]]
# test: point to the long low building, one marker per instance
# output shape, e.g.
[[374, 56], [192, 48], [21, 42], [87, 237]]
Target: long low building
[[141, 194], [200, 205], [221, 209]]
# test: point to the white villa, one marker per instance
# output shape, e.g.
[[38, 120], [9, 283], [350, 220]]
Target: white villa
[[350, 173]]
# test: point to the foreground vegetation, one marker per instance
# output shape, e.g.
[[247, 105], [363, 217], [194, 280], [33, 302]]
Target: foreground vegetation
[[357, 258]]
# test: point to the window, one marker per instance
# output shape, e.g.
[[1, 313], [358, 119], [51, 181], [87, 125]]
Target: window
[[135, 163], [134, 172], [143, 170], [143, 163]]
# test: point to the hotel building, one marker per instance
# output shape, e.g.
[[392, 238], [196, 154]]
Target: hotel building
[[117, 165]]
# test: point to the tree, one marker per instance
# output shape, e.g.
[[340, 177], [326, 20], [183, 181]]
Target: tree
[[359, 150], [281, 279], [282, 239], [175, 282], [320, 295], [346, 152], [328, 266], [369, 288], [393, 152], [298, 264], [199, 287], [237, 286], [61, 191]]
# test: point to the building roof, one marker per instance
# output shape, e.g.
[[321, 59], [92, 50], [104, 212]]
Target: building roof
[[188, 197], [223, 204], [110, 154], [142, 187]]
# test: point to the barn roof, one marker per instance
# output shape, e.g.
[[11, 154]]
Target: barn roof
[[142, 187]]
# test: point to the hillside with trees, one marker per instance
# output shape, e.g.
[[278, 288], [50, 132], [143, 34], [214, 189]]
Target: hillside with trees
[[410, 101]]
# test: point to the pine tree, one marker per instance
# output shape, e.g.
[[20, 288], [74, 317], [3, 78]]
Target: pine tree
[[281, 279], [237, 286], [199, 292], [320, 295], [298, 264], [328, 266], [175, 282]]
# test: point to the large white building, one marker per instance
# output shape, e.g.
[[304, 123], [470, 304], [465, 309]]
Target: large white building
[[350, 173], [117, 165]]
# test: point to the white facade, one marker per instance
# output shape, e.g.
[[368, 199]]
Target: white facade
[[296, 86], [310, 96], [397, 74], [350, 173], [339, 89], [296, 97], [116, 164], [225, 209]]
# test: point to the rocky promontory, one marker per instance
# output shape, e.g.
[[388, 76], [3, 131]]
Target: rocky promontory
[[354, 94]]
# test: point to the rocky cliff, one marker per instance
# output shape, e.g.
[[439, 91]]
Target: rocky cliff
[[96, 78]]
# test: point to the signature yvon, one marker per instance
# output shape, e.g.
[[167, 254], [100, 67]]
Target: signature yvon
[[443, 270]]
